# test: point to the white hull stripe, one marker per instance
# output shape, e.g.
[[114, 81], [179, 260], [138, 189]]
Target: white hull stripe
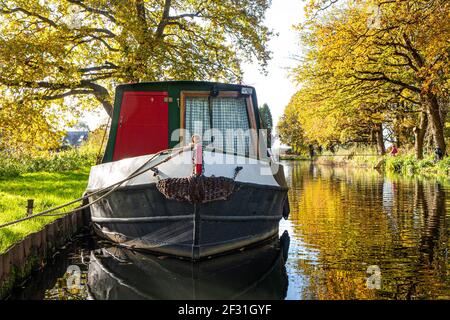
[[253, 171], [184, 217]]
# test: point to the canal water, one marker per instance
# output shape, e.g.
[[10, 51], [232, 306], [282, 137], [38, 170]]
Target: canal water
[[351, 234]]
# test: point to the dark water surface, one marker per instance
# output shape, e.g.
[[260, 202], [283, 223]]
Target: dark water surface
[[352, 234]]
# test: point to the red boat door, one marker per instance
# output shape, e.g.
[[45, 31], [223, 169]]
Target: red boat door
[[143, 126]]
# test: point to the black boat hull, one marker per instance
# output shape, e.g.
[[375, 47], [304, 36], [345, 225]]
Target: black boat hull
[[140, 217]]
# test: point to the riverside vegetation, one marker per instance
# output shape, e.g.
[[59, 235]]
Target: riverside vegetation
[[404, 163]]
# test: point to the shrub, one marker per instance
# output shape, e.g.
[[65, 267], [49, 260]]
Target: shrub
[[426, 163], [394, 164], [443, 166], [10, 167], [407, 164], [68, 160]]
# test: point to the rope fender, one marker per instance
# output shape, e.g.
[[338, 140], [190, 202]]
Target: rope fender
[[198, 189]]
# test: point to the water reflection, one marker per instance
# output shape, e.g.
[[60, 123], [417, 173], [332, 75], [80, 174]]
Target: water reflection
[[344, 220], [257, 273]]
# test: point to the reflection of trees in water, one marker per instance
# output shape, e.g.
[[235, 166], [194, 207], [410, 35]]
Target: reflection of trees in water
[[420, 250], [350, 220], [434, 229], [433, 244], [295, 183]]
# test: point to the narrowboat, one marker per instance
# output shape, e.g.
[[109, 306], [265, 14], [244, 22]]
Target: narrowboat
[[191, 171], [258, 274]]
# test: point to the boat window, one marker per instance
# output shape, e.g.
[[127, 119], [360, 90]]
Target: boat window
[[230, 122], [231, 119], [197, 116]]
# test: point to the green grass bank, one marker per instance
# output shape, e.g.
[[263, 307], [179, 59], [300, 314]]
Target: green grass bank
[[48, 189], [50, 178]]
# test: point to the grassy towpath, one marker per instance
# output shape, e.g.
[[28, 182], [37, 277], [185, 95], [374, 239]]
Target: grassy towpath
[[48, 189]]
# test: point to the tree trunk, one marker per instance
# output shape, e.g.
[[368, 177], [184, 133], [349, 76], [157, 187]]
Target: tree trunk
[[108, 107], [102, 95], [398, 130], [373, 137], [419, 134], [380, 140], [436, 122]]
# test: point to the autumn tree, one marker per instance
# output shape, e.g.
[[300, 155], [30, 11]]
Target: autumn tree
[[76, 51], [26, 127], [290, 129], [267, 121], [374, 55]]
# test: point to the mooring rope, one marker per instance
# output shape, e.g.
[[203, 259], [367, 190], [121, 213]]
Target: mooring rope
[[110, 189], [97, 158]]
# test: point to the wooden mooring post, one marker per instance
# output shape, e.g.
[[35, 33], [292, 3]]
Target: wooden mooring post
[[30, 206]]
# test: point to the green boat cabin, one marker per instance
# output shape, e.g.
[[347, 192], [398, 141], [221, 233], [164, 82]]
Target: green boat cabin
[[147, 117]]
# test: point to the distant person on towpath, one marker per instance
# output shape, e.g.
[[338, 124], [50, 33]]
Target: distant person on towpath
[[394, 151], [438, 154]]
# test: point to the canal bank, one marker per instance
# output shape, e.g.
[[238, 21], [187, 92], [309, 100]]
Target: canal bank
[[403, 164], [32, 253], [27, 246]]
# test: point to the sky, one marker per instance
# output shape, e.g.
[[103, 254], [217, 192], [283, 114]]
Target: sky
[[275, 89]]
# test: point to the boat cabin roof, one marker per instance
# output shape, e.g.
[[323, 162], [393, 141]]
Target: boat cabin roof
[[147, 115]]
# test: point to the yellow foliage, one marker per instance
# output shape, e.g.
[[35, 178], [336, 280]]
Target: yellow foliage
[[369, 62], [73, 53]]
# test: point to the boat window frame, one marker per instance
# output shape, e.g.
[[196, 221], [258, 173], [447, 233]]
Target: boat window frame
[[222, 94]]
